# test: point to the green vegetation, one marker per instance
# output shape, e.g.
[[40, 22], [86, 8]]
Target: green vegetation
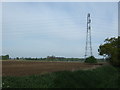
[[48, 58], [102, 77], [4, 57], [111, 50], [53, 58], [91, 59]]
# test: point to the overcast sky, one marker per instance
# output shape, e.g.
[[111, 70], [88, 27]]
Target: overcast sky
[[40, 29]]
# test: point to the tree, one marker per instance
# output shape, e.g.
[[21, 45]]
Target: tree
[[51, 57], [91, 59], [111, 49], [17, 58], [6, 57]]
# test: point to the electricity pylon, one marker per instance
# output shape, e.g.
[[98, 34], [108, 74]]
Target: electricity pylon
[[88, 37]]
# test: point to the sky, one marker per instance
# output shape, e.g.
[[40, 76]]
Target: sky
[[119, 18], [0, 28], [41, 29]]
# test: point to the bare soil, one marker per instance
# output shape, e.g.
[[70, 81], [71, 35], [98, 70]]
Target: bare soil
[[23, 68]]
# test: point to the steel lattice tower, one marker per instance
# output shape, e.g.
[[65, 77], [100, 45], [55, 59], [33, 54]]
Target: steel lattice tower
[[88, 46]]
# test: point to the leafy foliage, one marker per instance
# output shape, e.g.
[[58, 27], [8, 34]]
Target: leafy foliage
[[111, 49], [103, 77], [5, 57], [91, 59]]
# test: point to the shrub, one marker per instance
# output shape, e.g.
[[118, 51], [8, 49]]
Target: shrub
[[91, 59]]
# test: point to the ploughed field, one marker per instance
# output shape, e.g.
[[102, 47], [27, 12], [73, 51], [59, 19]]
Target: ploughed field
[[23, 68]]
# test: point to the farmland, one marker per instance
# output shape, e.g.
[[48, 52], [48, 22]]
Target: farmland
[[37, 74], [22, 68]]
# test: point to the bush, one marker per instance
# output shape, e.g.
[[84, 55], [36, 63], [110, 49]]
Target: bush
[[91, 59]]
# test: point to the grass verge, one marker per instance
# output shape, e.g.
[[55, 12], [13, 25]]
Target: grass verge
[[102, 77]]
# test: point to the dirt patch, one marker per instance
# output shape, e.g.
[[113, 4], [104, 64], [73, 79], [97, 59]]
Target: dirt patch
[[22, 68]]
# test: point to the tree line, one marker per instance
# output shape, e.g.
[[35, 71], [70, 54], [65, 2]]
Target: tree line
[[48, 58], [110, 50]]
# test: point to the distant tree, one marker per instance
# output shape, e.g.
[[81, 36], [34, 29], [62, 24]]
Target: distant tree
[[6, 57], [0, 57], [111, 49], [17, 58], [91, 59], [51, 57]]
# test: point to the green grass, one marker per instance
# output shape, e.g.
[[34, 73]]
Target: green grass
[[103, 77]]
